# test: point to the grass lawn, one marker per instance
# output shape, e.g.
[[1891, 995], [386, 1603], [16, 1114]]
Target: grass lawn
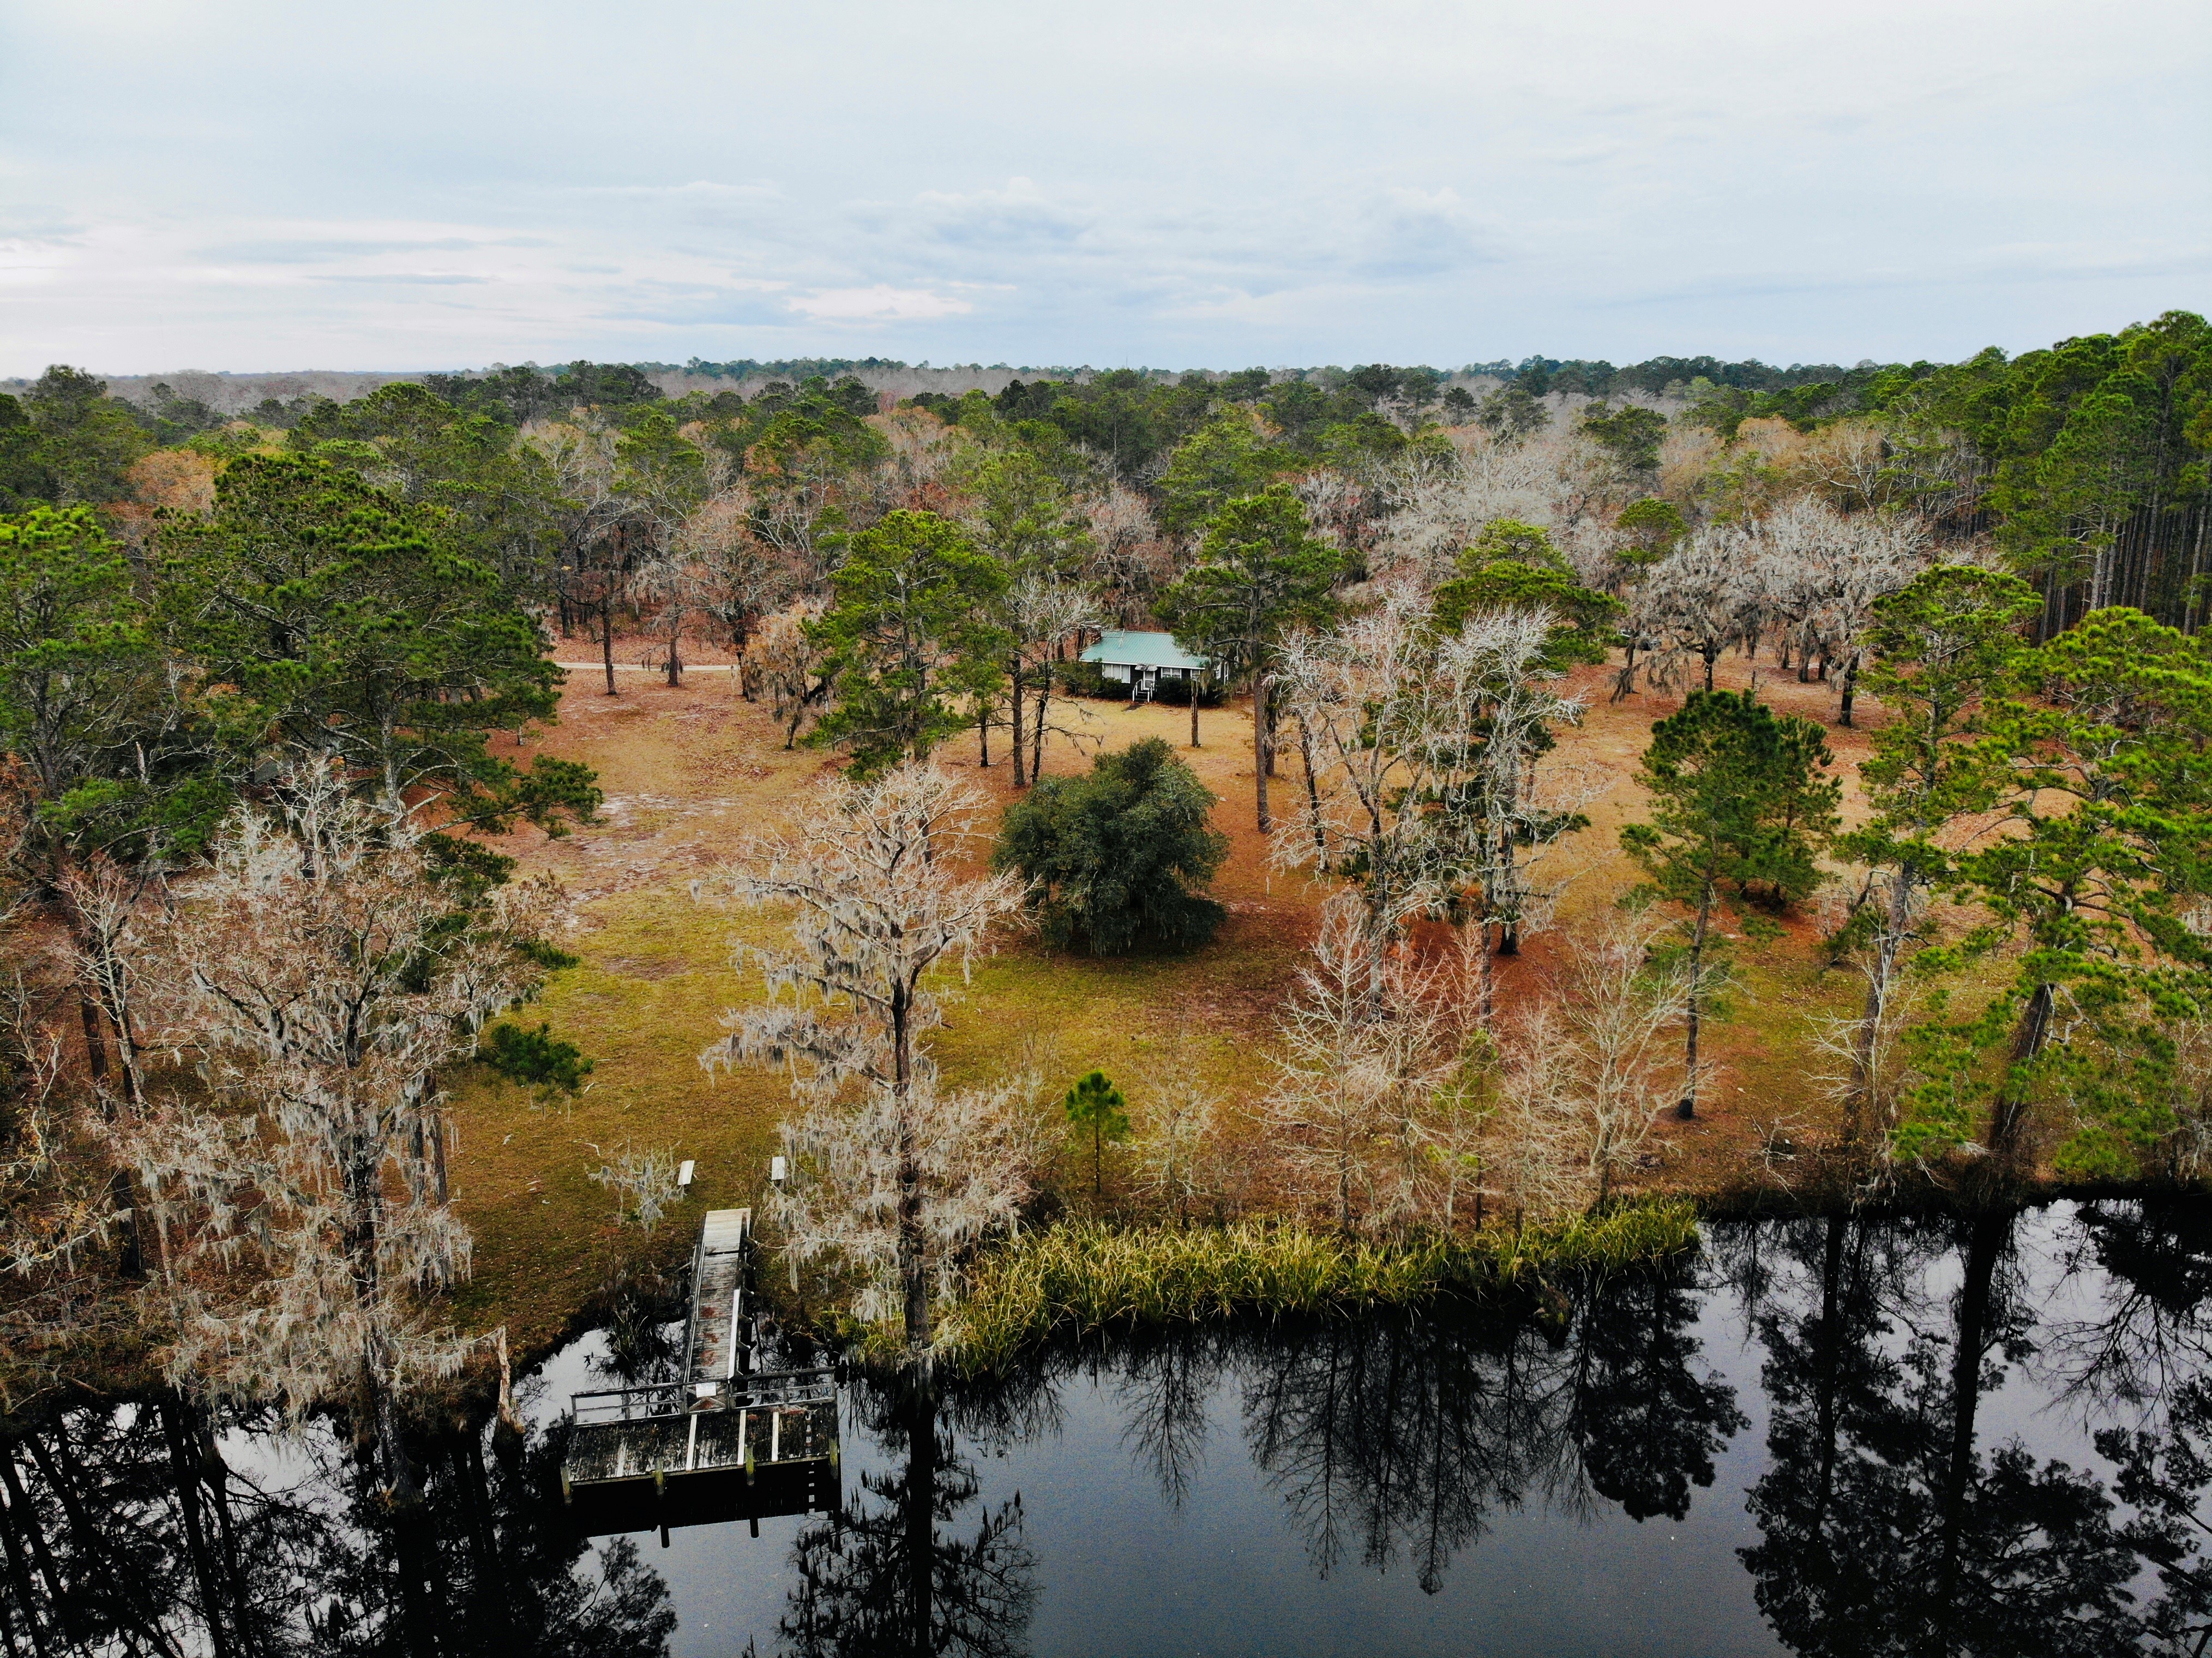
[[689, 770]]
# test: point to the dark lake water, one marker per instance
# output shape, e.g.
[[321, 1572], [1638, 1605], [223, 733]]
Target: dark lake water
[[1869, 1435]]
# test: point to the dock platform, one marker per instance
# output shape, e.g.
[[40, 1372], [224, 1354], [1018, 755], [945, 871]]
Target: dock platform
[[726, 1441]]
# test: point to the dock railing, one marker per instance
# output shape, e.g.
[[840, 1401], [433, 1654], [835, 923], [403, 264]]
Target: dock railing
[[657, 1399]]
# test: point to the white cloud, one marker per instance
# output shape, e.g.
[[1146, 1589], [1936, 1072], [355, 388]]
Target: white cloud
[[880, 303], [1172, 181]]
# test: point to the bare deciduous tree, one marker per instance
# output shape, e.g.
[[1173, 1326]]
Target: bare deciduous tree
[[57, 1207], [1386, 727], [1365, 1052], [878, 905], [1420, 763], [1605, 1047], [1537, 1161], [1129, 560], [1041, 611], [1173, 1149], [1444, 503]]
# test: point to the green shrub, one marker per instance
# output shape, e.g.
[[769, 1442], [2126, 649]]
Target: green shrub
[[1118, 858]]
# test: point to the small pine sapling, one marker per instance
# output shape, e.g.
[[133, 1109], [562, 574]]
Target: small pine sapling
[[1095, 1107], [548, 1067]]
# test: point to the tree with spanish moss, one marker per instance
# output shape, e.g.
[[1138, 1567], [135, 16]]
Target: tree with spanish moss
[[323, 973], [895, 1175]]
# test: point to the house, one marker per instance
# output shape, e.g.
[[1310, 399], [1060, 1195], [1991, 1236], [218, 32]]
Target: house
[[1144, 661]]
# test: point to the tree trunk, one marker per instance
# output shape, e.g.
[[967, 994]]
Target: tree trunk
[[2028, 1035], [1880, 986], [1036, 724], [1312, 800], [95, 1044], [675, 660], [19, 1575], [914, 1274], [1827, 1351], [983, 734], [1021, 773], [1688, 1108], [607, 639], [1850, 686], [182, 1464], [1487, 1010], [1260, 751], [490, 1607], [1190, 680], [34, 1534], [2196, 571], [391, 1444], [920, 1516]]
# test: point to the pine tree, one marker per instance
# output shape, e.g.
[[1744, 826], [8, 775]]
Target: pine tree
[[1737, 805]]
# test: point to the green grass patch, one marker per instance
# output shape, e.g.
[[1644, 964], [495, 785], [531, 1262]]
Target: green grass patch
[[1080, 1276]]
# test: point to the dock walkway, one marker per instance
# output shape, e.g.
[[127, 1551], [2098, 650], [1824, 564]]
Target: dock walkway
[[724, 1421]]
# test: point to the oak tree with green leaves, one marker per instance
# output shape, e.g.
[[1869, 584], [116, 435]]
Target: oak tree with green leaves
[[1119, 859]]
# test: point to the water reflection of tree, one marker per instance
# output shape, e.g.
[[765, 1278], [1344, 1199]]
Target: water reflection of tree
[[1394, 1436], [2145, 1354], [1885, 1526], [134, 1536], [889, 1573]]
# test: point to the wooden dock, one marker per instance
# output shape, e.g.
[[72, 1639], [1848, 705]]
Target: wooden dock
[[726, 1441]]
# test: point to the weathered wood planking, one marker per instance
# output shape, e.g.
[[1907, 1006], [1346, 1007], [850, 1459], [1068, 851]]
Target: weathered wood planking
[[716, 1327]]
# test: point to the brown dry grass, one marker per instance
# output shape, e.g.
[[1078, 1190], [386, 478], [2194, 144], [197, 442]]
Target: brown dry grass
[[687, 772]]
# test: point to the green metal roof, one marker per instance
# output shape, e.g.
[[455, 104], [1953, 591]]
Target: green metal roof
[[1143, 650]]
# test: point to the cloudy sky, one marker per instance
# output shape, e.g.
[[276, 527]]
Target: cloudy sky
[[227, 184]]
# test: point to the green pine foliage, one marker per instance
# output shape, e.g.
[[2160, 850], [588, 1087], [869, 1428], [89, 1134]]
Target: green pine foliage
[[2101, 762], [913, 608], [1097, 1111], [1739, 812], [1119, 859], [536, 1058], [336, 619]]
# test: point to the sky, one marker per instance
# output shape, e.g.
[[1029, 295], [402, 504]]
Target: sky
[[232, 185]]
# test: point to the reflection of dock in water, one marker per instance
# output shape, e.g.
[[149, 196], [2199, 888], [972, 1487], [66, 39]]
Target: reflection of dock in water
[[728, 1441]]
